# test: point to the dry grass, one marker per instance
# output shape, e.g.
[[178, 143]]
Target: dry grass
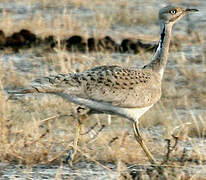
[[43, 126], [40, 129]]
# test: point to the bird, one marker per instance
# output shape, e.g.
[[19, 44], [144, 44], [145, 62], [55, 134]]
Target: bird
[[123, 91]]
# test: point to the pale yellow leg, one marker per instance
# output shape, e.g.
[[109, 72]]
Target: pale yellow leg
[[75, 143], [142, 144]]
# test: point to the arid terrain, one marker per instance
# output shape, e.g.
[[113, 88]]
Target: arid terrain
[[37, 132]]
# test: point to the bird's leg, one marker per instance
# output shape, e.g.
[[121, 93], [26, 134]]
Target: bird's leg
[[142, 144], [81, 115], [73, 151]]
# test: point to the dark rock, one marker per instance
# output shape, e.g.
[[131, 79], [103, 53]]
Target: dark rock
[[22, 39], [136, 46], [151, 47], [51, 41], [2, 39], [130, 46], [15, 41], [29, 37], [92, 44], [107, 44], [76, 43]]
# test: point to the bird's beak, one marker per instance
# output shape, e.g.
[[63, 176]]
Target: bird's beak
[[188, 10]]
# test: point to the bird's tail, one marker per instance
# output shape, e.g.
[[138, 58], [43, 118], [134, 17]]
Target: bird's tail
[[41, 85], [23, 91], [34, 89]]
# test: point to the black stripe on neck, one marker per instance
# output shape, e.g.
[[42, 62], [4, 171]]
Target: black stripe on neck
[[162, 37]]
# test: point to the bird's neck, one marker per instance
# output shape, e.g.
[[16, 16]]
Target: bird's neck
[[159, 59]]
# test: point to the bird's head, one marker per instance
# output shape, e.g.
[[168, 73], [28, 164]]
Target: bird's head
[[171, 14]]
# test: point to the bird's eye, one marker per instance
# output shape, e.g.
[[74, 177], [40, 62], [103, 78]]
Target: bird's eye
[[173, 11]]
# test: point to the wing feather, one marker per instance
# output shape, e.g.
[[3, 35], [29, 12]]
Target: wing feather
[[123, 87]]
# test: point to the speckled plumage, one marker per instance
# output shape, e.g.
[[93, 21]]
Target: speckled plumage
[[123, 87]]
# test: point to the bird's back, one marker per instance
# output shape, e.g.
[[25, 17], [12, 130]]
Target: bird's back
[[123, 87]]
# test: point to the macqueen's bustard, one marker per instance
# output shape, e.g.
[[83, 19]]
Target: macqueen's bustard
[[127, 92]]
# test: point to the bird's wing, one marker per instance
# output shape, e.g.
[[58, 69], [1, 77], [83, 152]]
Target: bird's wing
[[122, 87]]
